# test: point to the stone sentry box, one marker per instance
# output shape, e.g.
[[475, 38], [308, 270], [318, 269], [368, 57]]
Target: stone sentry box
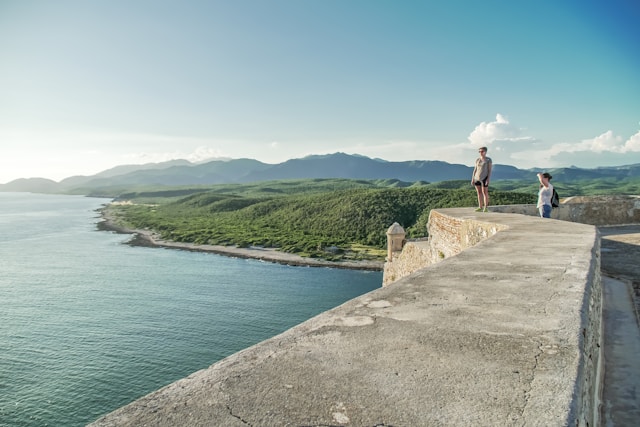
[[395, 240]]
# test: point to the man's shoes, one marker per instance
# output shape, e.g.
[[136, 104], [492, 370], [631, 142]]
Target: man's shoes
[[484, 210], [479, 210]]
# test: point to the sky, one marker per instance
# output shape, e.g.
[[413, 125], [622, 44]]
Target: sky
[[86, 85]]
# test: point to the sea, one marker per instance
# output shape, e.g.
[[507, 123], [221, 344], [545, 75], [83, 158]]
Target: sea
[[89, 323]]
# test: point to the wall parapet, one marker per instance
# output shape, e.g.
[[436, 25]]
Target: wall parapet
[[593, 210], [450, 236]]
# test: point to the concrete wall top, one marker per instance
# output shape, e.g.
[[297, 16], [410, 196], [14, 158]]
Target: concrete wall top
[[593, 210], [492, 336]]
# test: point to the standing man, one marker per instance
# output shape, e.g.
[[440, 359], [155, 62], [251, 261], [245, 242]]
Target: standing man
[[481, 177]]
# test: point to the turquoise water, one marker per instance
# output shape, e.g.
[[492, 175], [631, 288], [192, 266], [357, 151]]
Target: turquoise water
[[88, 324]]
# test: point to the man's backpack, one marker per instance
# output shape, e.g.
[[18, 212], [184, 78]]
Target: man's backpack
[[555, 199]]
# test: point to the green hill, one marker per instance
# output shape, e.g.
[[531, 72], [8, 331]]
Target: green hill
[[328, 218]]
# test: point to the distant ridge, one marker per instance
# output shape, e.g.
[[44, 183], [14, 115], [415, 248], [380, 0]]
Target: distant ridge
[[336, 165], [32, 185]]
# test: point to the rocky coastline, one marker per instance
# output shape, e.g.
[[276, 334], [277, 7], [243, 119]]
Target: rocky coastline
[[151, 239]]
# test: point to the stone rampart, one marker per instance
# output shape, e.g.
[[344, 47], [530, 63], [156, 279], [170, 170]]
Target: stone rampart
[[506, 332], [595, 210], [450, 236]]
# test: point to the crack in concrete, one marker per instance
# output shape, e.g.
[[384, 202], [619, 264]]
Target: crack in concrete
[[527, 390], [243, 421]]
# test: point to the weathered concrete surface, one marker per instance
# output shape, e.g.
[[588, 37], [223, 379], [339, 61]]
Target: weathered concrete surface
[[496, 335]]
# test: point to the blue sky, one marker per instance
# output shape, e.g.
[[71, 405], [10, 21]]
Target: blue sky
[[87, 85]]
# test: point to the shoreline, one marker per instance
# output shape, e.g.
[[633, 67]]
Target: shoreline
[[150, 239]]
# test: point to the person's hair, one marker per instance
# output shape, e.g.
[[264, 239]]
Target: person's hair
[[482, 149], [547, 175]]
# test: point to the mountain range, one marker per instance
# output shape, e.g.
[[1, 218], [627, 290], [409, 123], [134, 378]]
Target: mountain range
[[336, 165]]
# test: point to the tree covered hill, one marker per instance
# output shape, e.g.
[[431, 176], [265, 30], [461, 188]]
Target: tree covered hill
[[332, 219]]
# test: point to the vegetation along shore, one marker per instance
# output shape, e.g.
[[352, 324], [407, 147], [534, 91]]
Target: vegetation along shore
[[152, 239], [339, 223]]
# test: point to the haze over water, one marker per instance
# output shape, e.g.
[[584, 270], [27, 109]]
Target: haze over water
[[88, 324]]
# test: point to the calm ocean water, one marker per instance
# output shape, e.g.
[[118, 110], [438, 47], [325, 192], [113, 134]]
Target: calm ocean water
[[88, 324]]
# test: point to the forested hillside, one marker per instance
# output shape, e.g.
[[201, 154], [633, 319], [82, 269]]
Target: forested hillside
[[332, 218]]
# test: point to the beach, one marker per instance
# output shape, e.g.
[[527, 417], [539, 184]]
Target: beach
[[152, 239]]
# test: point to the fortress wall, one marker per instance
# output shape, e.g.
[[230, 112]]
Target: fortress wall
[[588, 385], [594, 210], [507, 332], [414, 255], [449, 236]]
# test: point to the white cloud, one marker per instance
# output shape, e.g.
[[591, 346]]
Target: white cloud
[[509, 145], [633, 143], [506, 142], [606, 149], [486, 133], [606, 142]]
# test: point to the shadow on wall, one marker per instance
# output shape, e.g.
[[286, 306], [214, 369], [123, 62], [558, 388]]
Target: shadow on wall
[[620, 252]]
